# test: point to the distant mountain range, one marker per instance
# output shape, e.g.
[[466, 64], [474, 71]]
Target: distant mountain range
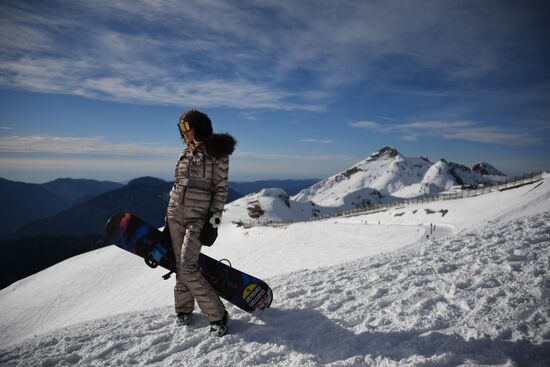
[[21, 203], [79, 190], [146, 197], [81, 207], [384, 176]]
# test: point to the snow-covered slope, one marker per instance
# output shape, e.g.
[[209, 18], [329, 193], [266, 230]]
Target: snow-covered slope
[[270, 204], [368, 182], [384, 177], [478, 296]]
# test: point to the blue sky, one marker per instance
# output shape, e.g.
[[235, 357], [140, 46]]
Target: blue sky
[[94, 89]]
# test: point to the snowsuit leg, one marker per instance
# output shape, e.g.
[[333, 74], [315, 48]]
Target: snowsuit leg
[[190, 284]]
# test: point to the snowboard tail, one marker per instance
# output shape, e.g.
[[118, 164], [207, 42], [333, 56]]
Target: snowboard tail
[[132, 234]]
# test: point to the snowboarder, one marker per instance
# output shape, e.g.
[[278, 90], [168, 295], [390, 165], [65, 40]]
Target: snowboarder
[[194, 211]]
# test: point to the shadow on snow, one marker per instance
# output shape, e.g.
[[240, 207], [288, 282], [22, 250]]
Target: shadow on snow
[[311, 332]]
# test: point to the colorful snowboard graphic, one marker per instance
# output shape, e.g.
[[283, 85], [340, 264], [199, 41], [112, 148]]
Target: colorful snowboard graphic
[[132, 234]]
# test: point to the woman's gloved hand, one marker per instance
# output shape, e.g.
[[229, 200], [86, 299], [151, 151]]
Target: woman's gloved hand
[[166, 231], [209, 232]]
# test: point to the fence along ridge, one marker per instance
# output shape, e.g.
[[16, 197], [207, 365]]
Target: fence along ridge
[[465, 192]]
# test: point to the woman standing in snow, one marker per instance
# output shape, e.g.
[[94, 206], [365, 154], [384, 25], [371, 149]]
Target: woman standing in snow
[[194, 212]]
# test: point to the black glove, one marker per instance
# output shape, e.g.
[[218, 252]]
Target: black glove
[[209, 232], [166, 233]]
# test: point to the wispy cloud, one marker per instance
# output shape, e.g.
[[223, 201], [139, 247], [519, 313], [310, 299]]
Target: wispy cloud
[[455, 130], [294, 157], [78, 145], [317, 141], [194, 63], [435, 125], [283, 55], [493, 135], [368, 124], [77, 77], [410, 137]]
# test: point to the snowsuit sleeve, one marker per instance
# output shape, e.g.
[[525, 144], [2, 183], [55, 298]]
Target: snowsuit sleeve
[[220, 177]]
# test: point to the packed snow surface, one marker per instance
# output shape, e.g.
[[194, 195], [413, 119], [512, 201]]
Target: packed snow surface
[[380, 289]]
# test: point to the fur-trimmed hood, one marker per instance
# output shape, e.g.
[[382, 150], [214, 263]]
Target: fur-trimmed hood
[[220, 145]]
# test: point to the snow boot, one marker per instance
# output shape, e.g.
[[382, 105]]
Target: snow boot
[[219, 328], [183, 318]]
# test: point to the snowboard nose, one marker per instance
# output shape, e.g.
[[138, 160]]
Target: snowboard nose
[[112, 228]]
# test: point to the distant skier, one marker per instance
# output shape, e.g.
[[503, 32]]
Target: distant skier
[[194, 212]]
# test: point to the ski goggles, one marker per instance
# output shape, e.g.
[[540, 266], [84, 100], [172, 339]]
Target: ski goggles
[[184, 126]]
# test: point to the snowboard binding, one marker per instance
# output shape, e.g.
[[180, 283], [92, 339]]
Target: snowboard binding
[[156, 255]]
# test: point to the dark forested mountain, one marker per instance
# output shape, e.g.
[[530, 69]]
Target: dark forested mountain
[[79, 190], [146, 197], [21, 203]]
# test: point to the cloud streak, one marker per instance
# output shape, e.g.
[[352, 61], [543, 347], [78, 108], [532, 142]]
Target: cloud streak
[[108, 63], [293, 157], [317, 141], [79, 145], [455, 130], [283, 55], [368, 124]]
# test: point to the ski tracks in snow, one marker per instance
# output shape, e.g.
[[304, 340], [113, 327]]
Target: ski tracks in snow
[[480, 298]]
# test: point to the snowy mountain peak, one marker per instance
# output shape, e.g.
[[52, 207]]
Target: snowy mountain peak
[[384, 176], [384, 153], [369, 182], [484, 168], [438, 178]]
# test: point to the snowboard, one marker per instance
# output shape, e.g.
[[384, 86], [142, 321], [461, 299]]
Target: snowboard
[[132, 234]]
